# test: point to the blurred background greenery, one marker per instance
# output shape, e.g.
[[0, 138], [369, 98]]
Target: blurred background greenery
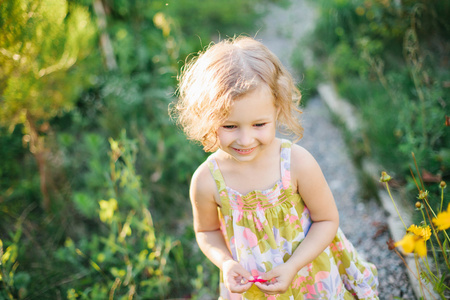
[[94, 175], [390, 60]]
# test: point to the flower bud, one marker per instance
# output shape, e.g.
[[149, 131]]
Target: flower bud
[[418, 205], [443, 185], [423, 194], [385, 177]]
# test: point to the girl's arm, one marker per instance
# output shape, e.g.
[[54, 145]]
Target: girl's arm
[[209, 237], [308, 179]]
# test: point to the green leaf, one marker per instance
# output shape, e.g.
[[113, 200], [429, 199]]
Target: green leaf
[[85, 204]]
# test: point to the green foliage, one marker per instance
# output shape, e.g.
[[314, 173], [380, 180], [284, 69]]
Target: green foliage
[[53, 88], [390, 59], [14, 283], [149, 48], [125, 258], [310, 76], [40, 44], [426, 238], [224, 18], [123, 255], [11, 151]]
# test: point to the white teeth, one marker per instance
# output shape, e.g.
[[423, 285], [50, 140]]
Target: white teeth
[[244, 150]]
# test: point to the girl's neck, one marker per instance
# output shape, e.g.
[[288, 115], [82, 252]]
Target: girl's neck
[[271, 151], [259, 174]]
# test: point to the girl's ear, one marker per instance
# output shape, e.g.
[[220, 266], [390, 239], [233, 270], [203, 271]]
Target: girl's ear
[[278, 111]]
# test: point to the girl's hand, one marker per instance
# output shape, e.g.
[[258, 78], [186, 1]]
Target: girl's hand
[[279, 279], [235, 277]]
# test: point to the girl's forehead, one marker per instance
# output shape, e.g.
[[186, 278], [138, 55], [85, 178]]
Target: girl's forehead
[[255, 105], [255, 87]]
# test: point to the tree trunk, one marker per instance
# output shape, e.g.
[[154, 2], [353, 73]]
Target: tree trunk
[[42, 164], [37, 148], [105, 41]]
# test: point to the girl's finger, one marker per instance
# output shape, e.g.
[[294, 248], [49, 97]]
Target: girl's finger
[[269, 288], [241, 288], [258, 280], [268, 276]]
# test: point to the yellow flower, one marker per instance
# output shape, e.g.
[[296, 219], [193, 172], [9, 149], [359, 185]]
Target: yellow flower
[[407, 243], [442, 221], [360, 11], [423, 232], [101, 257], [421, 248], [107, 209], [415, 240], [72, 294]]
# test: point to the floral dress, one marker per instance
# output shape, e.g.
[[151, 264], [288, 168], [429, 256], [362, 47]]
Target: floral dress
[[263, 228]]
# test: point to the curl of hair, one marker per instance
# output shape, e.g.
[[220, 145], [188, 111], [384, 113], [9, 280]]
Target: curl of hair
[[211, 81]]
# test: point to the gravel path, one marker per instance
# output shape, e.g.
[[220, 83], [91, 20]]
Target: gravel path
[[362, 222]]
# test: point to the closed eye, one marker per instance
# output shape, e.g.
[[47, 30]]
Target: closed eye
[[260, 124]]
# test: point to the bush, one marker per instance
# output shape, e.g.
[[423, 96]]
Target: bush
[[66, 250], [124, 257], [426, 238], [390, 60]]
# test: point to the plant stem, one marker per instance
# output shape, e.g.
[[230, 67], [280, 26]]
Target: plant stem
[[446, 235], [418, 171], [418, 273], [407, 266], [435, 232], [432, 248], [427, 266], [429, 206], [395, 206]]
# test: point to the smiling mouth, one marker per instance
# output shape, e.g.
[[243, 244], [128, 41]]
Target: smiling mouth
[[244, 151]]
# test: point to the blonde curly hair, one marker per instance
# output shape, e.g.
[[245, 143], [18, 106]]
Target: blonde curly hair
[[211, 81]]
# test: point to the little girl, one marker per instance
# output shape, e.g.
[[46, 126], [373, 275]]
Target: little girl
[[263, 212]]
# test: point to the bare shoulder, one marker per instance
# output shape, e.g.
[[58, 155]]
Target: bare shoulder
[[305, 171], [203, 186], [301, 160], [310, 183], [205, 200]]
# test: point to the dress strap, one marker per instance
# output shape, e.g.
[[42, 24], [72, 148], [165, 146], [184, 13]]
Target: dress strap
[[285, 162], [220, 182]]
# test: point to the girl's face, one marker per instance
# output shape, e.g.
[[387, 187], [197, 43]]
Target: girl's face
[[251, 125]]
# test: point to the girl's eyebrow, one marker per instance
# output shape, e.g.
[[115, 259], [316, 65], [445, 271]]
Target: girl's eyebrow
[[262, 119], [259, 120]]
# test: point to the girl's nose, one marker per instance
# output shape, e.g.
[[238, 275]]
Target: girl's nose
[[245, 138]]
